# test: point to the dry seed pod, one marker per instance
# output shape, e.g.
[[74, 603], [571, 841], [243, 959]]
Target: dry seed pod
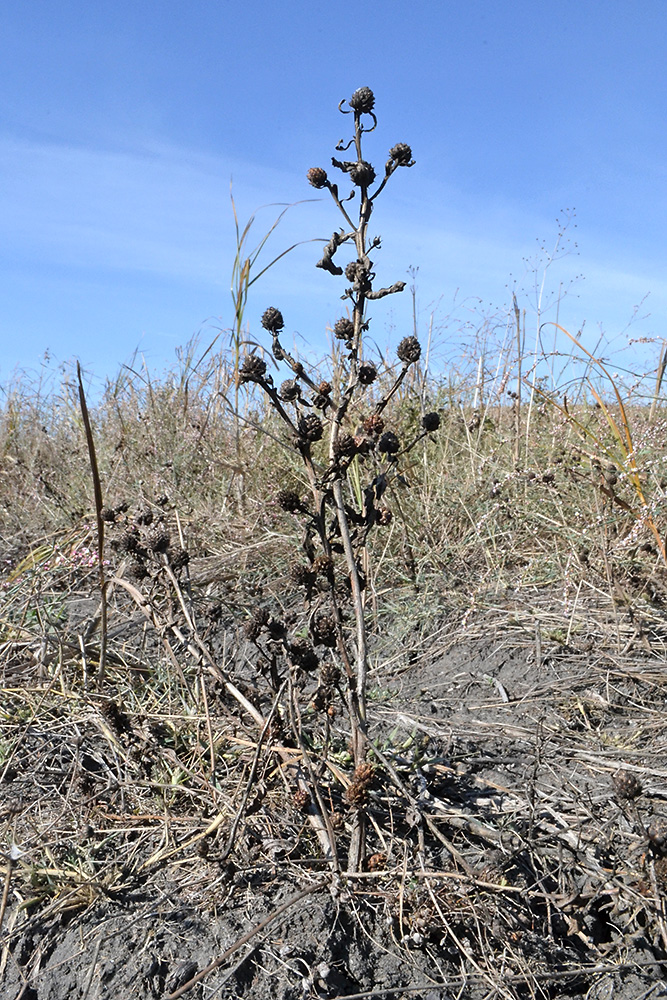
[[409, 350], [626, 785], [301, 799], [657, 833]]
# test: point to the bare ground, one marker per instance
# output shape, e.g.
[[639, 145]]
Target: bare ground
[[505, 856]]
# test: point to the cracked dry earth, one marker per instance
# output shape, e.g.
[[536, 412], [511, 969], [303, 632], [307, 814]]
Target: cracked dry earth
[[529, 861]]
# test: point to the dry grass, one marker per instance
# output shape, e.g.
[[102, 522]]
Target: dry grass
[[192, 763]]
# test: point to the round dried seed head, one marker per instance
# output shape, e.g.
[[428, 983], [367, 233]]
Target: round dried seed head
[[431, 421], [384, 516], [409, 350], [128, 540], [345, 446], [389, 443], [324, 630], [253, 369], [401, 154], [626, 785], [310, 427], [158, 538], [301, 575], [272, 320], [304, 655], [323, 565], [363, 774], [317, 176], [179, 560], [353, 270], [373, 425], [362, 173], [367, 374], [362, 100], [301, 799], [344, 329], [289, 500], [657, 833], [289, 390], [143, 516], [136, 570], [325, 388], [329, 675]]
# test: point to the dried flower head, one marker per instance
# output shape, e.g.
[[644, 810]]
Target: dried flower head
[[325, 388], [389, 443], [317, 176], [363, 100], [272, 320], [401, 154], [324, 629], [345, 446], [657, 833], [384, 516], [179, 560], [373, 425], [626, 785], [362, 173], [344, 328], [323, 565], [409, 350], [431, 421], [289, 390], [288, 500], [158, 538], [367, 374], [301, 799], [304, 655], [144, 515], [253, 369], [302, 575], [354, 270], [310, 428]]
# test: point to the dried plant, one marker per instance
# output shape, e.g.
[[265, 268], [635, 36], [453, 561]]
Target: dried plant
[[339, 433]]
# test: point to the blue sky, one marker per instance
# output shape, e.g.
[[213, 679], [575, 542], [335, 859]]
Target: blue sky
[[123, 123]]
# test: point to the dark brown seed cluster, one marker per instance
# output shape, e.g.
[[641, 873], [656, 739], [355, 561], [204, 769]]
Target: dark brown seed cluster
[[289, 390], [409, 350], [362, 173], [345, 446], [344, 329], [304, 655], [373, 425], [302, 799], [317, 176], [323, 565], [310, 428], [363, 100], [657, 833], [388, 443], [158, 538], [324, 630], [260, 619], [431, 421], [179, 560], [354, 270], [272, 320], [253, 369], [301, 575], [401, 154], [357, 793], [384, 516], [108, 514], [367, 374], [289, 500], [626, 785]]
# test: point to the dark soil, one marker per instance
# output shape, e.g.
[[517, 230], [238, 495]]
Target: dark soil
[[508, 861]]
